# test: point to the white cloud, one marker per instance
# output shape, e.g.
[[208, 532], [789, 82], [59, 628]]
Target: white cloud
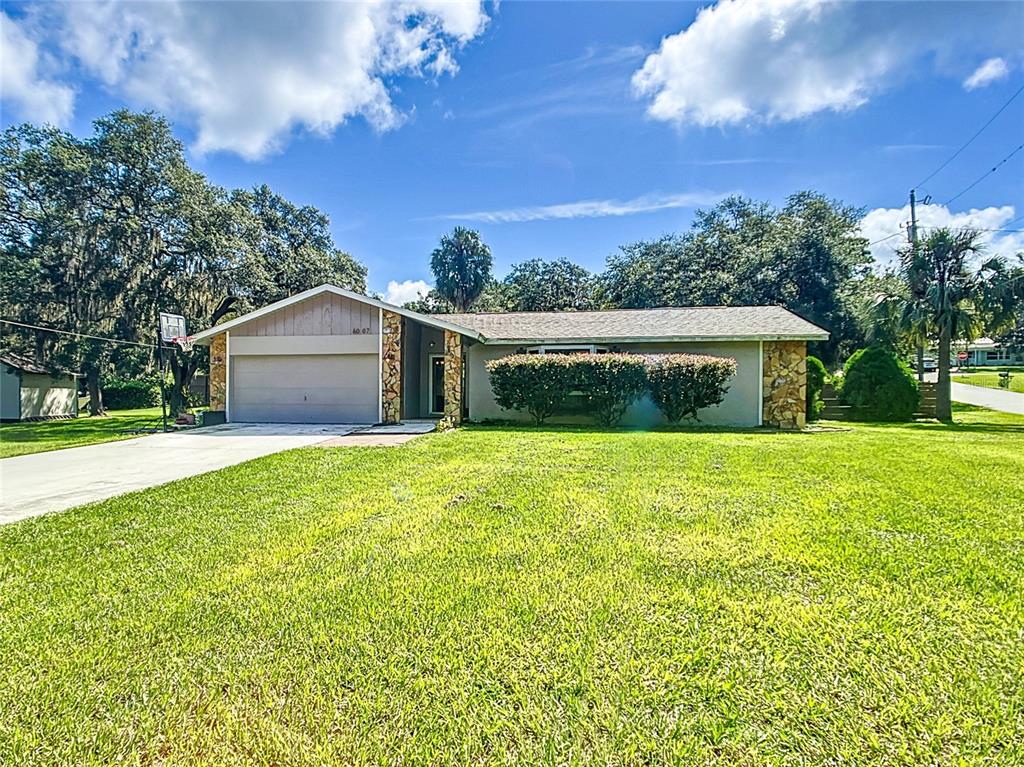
[[399, 293], [249, 74], [753, 60], [990, 71], [32, 95], [882, 222], [590, 208]]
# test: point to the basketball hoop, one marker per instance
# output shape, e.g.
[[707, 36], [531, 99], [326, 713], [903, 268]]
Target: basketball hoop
[[184, 342]]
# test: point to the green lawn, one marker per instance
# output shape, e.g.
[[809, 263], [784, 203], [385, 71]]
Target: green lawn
[[521, 596], [991, 380], [40, 436]]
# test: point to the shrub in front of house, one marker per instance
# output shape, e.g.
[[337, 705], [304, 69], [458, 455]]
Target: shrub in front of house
[[682, 384], [816, 378], [608, 383], [536, 383], [601, 386], [128, 394], [879, 386]]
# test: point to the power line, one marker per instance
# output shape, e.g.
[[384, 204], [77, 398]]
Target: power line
[[985, 175], [971, 139], [80, 335], [975, 228], [897, 234]]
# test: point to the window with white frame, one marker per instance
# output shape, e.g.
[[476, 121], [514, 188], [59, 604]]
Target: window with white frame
[[568, 349]]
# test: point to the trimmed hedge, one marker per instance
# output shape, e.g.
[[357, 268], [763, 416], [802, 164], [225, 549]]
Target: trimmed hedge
[[879, 386], [126, 394], [682, 384], [603, 386], [816, 378], [609, 383], [536, 383]]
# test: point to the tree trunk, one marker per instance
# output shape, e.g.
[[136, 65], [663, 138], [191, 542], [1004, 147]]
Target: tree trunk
[[943, 398], [182, 372], [92, 380], [920, 362]]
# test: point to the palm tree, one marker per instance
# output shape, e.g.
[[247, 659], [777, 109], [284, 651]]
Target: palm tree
[[946, 298], [462, 268]]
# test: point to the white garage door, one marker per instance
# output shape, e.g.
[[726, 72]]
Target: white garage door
[[315, 388]]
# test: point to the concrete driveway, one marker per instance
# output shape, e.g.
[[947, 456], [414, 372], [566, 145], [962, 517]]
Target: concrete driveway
[[43, 482], [994, 399]]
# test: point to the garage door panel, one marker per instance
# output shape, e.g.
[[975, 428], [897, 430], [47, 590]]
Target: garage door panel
[[298, 395], [339, 388]]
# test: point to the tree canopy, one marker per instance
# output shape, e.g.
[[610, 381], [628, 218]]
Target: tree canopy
[[462, 268], [947, 296], [100, 234], [807, 256], [546, 286]]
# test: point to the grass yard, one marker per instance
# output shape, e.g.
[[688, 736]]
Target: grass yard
[[40, 436], [990, 380], [520, 596]]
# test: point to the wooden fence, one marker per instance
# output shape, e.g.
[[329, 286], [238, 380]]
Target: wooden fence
[[835, 411]]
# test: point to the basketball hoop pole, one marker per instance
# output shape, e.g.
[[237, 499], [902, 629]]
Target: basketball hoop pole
[[172, 327], [163, 381]]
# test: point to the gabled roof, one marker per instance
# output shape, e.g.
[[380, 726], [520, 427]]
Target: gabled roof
[[431, 320], [697, 323], [26, 365]]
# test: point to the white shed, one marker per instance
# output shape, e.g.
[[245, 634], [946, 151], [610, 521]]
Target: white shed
[[30, 392]]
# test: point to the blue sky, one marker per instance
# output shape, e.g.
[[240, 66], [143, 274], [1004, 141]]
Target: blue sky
[[557, 130]]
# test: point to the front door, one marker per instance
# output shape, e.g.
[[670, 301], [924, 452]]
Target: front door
[[437, 384]]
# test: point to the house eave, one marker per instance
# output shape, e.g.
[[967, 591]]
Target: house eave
[[205, 337], [656, 339]]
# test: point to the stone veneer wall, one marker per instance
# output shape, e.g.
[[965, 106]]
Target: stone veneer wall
[[785, 384], [218, 372], [391, 367], [452, 379]]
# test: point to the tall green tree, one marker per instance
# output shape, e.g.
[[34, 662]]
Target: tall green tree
[[546, 286], [100, 234], [289, 249], [462, 268], [949, 299], [807, 256]]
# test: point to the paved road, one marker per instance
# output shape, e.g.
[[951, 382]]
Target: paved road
[[36, 484], [996, 399]]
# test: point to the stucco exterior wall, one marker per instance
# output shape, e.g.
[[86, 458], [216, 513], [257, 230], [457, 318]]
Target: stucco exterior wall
[[10, 394], [45, 397], [741, 406]]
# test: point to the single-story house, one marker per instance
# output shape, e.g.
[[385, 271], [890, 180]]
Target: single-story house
[[985, 351], [30, 392], [329, 355]]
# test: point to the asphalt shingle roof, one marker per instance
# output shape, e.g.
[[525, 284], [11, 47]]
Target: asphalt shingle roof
[[26, 365], [689, 323]]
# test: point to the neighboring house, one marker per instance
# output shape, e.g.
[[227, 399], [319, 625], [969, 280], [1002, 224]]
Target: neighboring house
[[985, 351], [28, 391], [329, 355]]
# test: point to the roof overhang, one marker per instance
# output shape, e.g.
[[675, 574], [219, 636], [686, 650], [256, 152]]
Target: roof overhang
[[655, 339], [205, 337]]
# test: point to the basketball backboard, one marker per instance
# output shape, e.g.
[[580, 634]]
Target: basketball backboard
[[171, 326]]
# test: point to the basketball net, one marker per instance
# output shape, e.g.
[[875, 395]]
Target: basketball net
[[184, 342]]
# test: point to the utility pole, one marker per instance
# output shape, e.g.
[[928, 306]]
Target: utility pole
[[913, 247]]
